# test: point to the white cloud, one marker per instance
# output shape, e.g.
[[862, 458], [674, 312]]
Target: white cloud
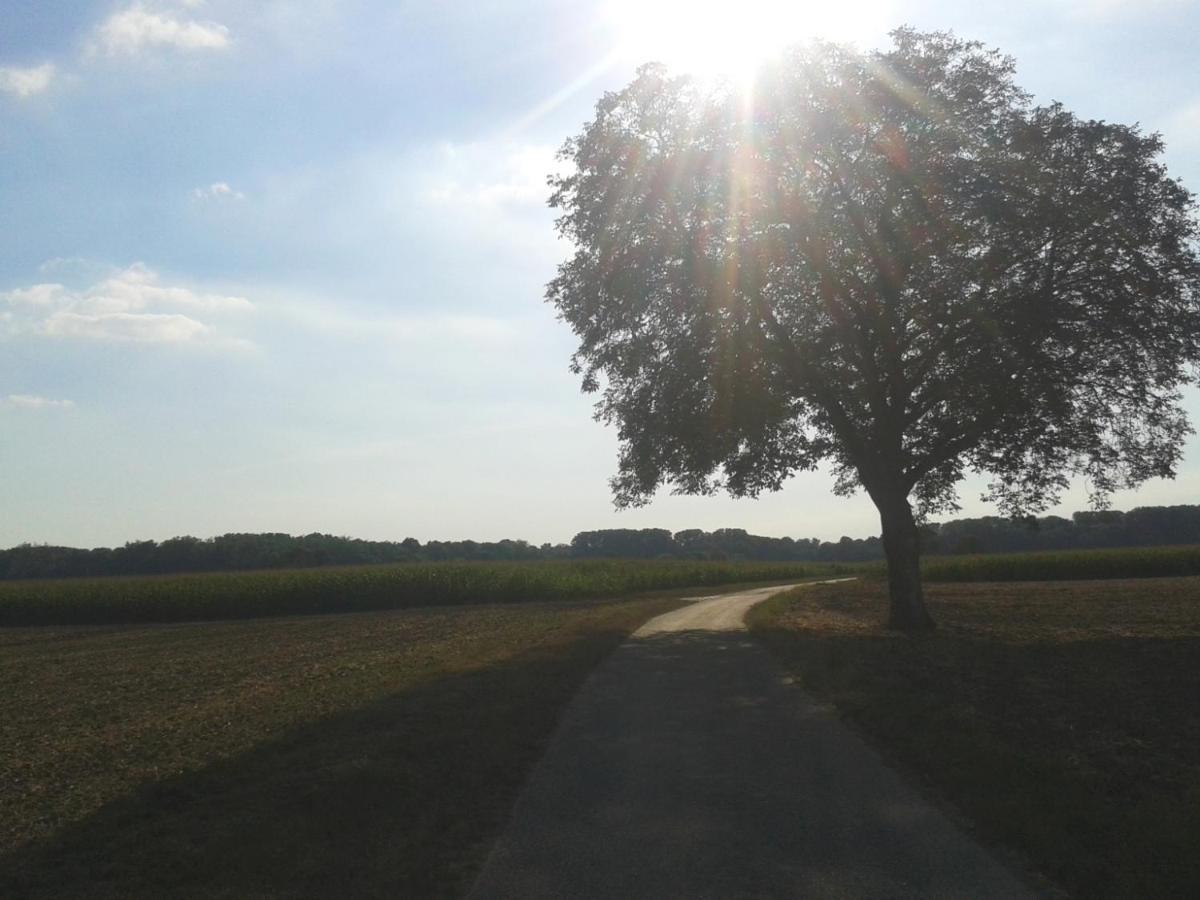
[[26, 82], [137, 28], [218, 190], [147, 328], [38, 295], [30, 401], [137, 288], [131, 304]]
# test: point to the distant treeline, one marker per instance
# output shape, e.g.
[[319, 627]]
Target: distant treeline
[[1142, 527], [1146, 526]]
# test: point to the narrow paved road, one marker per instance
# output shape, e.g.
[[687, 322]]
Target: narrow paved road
[[688, 768]]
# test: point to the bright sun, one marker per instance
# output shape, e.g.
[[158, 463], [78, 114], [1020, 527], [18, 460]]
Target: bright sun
[[732, 38]]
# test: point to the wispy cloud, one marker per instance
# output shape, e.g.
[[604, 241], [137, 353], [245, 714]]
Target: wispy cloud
[[477, 332], [492, 174], [31, 401], [493, 193], [131, 304], [137, 28], [148, 328], [25, 82], [218, 190]]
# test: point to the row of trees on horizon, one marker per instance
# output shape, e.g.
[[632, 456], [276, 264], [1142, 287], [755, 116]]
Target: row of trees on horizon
[[1144, 526]]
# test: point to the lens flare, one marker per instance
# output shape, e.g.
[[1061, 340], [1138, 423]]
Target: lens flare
[[720, 38]]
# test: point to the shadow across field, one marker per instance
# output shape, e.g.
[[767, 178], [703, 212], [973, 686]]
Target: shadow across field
[[1083, 754], [398, 798]]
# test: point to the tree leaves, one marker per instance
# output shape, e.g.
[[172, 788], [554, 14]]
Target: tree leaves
[[889, 260]]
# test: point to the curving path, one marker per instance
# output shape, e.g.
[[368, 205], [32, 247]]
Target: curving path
[[687, 767]]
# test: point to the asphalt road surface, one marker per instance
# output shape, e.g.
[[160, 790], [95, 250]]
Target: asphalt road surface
[[688, 767]]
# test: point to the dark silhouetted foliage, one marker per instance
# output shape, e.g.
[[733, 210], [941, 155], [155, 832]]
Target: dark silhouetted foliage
[[624, 542], [891, 261], [1142, 527]]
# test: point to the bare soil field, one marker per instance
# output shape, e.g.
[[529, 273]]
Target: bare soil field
[[353, 755]]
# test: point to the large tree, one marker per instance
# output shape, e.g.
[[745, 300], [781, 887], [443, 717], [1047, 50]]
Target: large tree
[[892, 261]]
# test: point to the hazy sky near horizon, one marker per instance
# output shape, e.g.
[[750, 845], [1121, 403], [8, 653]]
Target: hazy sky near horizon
[[278, 266]]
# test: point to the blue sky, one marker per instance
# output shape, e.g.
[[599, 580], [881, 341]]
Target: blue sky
[[279, 265]]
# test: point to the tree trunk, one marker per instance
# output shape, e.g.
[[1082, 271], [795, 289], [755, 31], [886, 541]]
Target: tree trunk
[[901, 545]]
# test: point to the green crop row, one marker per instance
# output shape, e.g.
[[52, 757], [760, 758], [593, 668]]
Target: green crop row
[[1065, 565], [224, 595]]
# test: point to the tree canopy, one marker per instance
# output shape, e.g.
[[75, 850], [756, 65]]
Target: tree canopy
[[892, 261]]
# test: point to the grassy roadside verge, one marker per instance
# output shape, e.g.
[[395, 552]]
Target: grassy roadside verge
[[356, 755], [1061, 718]]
